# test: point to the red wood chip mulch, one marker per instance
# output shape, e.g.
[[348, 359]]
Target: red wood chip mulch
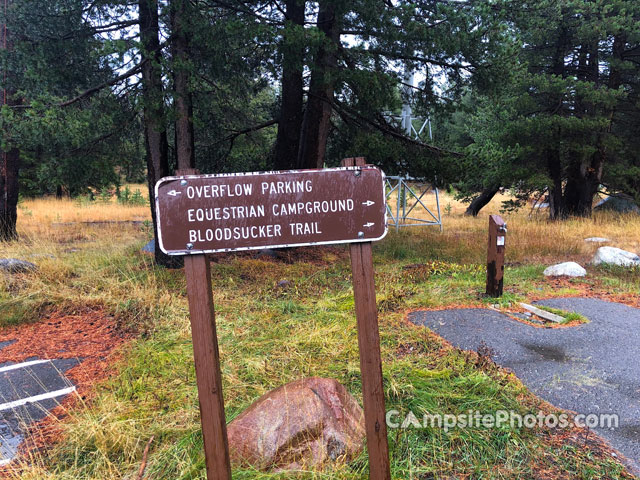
[[89, 335]]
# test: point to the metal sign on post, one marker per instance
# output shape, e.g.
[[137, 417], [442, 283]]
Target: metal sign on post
[[200, 214]]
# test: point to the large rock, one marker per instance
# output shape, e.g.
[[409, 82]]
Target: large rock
[[304, 424], [14, 265], [569, 269], [618, 203], [615, 256]]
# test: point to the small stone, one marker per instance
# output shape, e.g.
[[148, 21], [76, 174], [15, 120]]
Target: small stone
[[14, 265], [568, 269], [597, 240], [304, 424], [42, 255], [615, 256]]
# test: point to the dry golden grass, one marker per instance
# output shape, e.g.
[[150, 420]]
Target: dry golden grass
[[54, 220], [269, 336], [531, 238], [49, 211]]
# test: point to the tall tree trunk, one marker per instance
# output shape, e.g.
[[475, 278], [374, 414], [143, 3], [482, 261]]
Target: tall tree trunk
[[584, 175], [11, 158], [9, 194], [583, 181], [184, 136], [317, 115], [554, 169], [481, 201], [554, 159], [291, 112], [155, 131]]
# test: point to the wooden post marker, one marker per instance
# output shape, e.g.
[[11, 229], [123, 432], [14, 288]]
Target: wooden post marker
[[364, 293], [201, 214], [207, 362], [495, 255]]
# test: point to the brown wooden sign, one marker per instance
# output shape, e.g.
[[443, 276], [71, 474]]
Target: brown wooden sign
[[221, 213], [357, 196]]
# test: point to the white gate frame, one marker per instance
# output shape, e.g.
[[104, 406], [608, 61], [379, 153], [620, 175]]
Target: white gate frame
[[401, 218]]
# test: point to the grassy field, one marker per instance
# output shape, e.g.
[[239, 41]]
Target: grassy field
[[271, 335]]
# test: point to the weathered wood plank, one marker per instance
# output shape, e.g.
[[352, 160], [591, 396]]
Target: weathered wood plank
[[552, 317]]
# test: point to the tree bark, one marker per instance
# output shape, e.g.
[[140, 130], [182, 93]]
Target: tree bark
[[584, 175], [11, 158], [155, 131], [317, 115], [481, 200], [184, 135], [554, 160], [554, 169], [291, 106], [582, 184]]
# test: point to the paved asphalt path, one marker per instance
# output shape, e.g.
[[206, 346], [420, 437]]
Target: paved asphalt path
[[591, 368], [28, 391]]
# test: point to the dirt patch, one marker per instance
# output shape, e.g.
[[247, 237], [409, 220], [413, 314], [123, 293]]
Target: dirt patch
[[89, 335]]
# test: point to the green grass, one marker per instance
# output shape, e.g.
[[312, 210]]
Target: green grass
[[569, 317], [269, 336]]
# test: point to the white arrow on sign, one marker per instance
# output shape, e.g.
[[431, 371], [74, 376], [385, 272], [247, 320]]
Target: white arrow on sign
[[368, 203], [174, 193], [367, 225]]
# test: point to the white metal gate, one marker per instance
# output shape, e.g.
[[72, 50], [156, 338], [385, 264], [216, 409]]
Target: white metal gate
[[410, 198]]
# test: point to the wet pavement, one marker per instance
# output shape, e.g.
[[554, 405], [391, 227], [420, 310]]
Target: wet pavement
[[590, 369]]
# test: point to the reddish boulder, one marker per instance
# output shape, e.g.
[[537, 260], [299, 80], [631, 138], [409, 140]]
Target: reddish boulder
[[304, 424]]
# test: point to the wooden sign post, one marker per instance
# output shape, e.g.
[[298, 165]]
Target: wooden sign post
[[364, 293], [495, 255], [201, 214], [207, 362]]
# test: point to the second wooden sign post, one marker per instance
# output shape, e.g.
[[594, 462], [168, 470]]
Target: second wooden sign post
[[495, 256], [201, 214]]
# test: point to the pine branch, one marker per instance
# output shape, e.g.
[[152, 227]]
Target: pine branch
[[386, 129], [238, 133], [129, 73], [109, 83]]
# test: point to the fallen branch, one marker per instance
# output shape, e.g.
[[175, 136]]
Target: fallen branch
[[143, 465]]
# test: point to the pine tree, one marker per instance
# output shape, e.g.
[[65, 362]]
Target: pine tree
[[565, 109]]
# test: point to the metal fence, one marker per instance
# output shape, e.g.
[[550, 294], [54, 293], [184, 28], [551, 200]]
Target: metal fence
[[409, 198]]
